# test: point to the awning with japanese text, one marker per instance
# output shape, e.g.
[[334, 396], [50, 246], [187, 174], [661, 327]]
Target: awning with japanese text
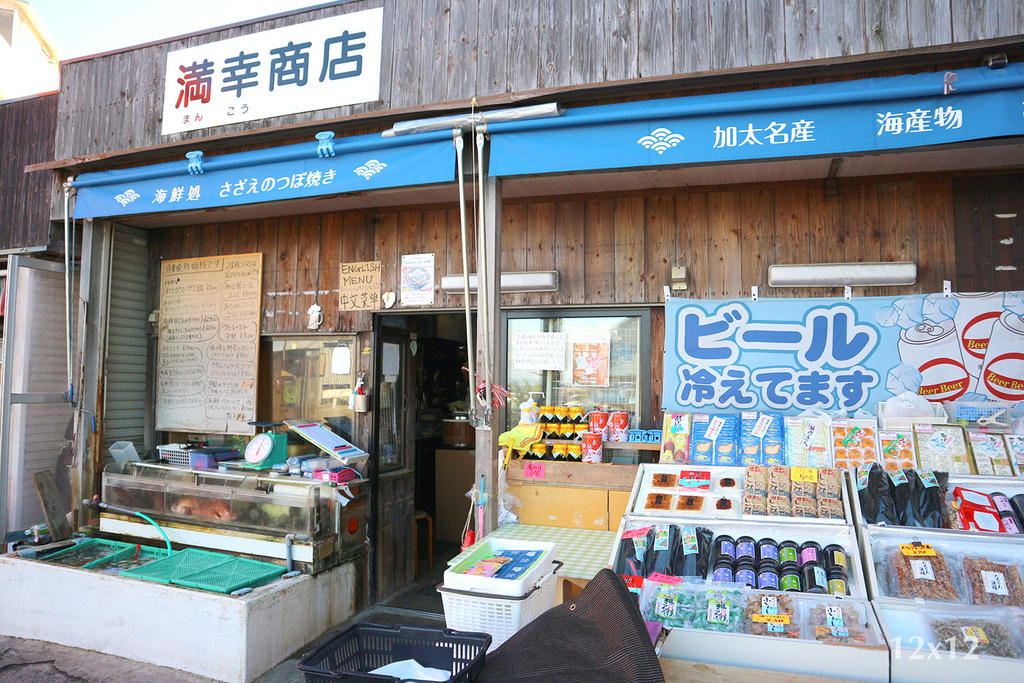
[[792, 354], [366, 162], [847, 117]]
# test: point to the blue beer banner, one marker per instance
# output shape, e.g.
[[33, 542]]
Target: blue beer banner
[[793, 354]]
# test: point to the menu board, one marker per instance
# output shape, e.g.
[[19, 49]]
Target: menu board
[[209, 344]]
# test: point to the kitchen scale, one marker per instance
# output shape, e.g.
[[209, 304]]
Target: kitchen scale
[[266, 449]]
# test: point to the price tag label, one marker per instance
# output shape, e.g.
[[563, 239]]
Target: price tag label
[[922, 569], [917, 549], [633, 533], [995, 583], [533, 469], [834, 616], [806, 474], [808, 438], [718, 612], [771, 618], [714, 428], [974, 633], [761, 427], [658, 577]]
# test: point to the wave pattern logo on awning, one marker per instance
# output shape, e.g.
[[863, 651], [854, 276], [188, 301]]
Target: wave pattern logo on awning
[[660, 140], [370, 168]]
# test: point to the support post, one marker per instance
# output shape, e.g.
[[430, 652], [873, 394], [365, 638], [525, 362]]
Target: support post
[[487, 331]]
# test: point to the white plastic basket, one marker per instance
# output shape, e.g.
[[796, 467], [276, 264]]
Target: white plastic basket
[[455, 578], [906, 424], [174, 454], [498, 615]]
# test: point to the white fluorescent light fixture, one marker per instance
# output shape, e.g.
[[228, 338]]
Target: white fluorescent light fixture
[[536, 111], [536, 281], [842, 274]]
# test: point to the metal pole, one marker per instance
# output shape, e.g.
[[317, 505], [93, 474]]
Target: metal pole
[[470, 353]]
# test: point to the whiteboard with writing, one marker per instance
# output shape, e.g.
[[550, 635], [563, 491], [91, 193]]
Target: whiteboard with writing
[[539, 351], [209, 344]]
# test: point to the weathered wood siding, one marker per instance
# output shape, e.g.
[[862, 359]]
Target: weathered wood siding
[[439, 51], [989, 225], [27, 127], [620, 250]]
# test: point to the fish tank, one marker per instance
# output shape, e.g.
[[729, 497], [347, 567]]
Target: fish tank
[[232, 500]]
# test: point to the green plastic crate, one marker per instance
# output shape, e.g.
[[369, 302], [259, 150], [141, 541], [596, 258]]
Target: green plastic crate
[[179, 565], [90, 552], [237, 573]]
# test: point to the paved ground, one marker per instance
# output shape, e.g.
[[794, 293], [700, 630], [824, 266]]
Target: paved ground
[[35, 661]]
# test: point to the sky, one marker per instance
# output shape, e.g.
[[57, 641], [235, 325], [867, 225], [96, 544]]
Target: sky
[[88, 27]]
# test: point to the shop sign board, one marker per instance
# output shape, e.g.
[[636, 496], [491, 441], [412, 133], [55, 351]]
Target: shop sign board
[[417, 279], [360, 286], [314, 65], [832, 354], [823, 119]]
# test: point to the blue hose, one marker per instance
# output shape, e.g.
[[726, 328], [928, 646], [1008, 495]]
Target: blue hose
[[166, 540]]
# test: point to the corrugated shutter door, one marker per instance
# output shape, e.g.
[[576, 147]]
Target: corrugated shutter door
[[127, 346]]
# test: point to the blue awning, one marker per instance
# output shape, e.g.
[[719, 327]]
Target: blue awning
[[365, 162], [864, 115]]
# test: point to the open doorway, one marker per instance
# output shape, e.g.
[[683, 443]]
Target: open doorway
[[423, 435]]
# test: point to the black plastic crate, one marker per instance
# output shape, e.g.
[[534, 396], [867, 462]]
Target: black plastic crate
[[365, 647]]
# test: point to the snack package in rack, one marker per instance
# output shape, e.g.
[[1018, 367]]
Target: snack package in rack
[[713, 439], [989, 453], [919, 571], [854, 442], [762, 439], [675, 438], [897, 450], [1015, 447], [808, 441], [942, 448]]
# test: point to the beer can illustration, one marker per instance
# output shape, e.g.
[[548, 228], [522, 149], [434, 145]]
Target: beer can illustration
[[935, 351], [976, 314], [599, 422], [593, 451], [618, 426], [1003, 374]]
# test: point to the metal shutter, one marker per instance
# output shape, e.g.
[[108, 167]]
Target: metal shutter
[[125, 407]]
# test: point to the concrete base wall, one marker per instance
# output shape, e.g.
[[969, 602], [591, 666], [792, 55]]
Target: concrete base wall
[[232, 639]]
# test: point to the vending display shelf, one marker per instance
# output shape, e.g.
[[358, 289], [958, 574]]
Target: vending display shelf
[[714, 484], [1010, 486]]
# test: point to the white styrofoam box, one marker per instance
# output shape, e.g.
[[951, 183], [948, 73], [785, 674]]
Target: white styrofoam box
[[952, 544], [641, 487], [786, 655], [823, 534], [510, 587], [915, 658]]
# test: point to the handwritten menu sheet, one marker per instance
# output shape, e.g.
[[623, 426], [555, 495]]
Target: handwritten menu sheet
[[209, 343]]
